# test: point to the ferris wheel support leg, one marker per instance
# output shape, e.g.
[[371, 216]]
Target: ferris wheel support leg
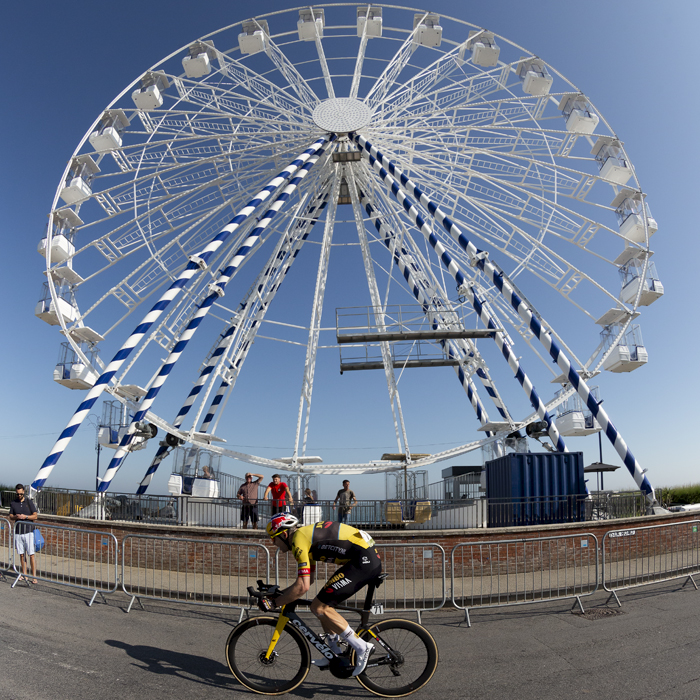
[[196, 264], [388, 237], [522, 309], [379, 316], [217, 291], [466, 287], [206, 372]]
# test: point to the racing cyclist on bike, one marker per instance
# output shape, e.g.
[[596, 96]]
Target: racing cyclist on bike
[[336, 542]]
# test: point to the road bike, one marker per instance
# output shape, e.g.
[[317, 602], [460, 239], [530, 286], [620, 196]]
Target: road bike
[[271, 654]]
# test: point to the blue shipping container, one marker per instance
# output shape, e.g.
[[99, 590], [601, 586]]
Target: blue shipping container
[[535, 488]]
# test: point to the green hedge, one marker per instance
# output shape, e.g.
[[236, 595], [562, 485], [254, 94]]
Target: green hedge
[[680, 495]]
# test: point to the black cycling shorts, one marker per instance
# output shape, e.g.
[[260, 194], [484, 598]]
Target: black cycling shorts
[[350, 578]]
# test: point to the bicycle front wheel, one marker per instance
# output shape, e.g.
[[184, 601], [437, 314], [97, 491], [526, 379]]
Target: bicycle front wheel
[[404, 659], [286, 668]]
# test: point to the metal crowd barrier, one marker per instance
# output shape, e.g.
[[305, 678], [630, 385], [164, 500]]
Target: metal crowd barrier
[[72, 557], [639, 556], [200, 572], [416, 581], [5, 546], [516, 572]]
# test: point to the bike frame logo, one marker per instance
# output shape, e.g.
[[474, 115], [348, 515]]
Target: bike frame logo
[[313, 639]]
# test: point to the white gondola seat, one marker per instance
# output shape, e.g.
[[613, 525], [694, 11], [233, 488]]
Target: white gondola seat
[[77, 187], [611, 160], [428, 30], [61, 248], [534, 75], [485, 51], [631, 211], [108, 136], [580, 119], [373, 21], [51, 312], [254, 37], [150, 95], [310, 23]]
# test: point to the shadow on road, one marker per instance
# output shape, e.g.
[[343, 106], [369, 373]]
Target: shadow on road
[[198, 669]]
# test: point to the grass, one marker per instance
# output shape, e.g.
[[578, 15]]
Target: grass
[[680, 495]]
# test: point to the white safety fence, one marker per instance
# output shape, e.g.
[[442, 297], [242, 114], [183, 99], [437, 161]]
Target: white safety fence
[[643, 555], [514, 572], [72, 557], [5, 546], [199, 572], [416, 577]]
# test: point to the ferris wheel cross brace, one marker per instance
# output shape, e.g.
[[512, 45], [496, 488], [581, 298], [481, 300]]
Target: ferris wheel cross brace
[[524, 312], [192, 268]]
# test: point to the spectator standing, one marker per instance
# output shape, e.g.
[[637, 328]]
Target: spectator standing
[[21, 510], [280, 493], [309, 496], [248, 495], [345, 499]]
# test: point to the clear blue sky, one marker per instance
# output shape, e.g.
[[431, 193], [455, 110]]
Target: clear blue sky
[[64, 62]]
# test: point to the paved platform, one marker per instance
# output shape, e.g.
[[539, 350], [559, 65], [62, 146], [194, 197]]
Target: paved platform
[[55, 646]]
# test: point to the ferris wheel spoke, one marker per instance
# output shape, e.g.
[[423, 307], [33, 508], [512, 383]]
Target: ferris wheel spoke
[[196, 264], [240, 334], [472, 362], [254, 319], [379, 319], [290, 73], [304, 411], [442, 316], [466, 287], [263, 89], [527, 314], [378, 92], [215, 291]]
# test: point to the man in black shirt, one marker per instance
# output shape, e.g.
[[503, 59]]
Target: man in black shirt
[[21, 510]]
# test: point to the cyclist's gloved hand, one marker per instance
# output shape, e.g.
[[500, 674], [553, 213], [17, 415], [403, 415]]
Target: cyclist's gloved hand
[[265, 604]]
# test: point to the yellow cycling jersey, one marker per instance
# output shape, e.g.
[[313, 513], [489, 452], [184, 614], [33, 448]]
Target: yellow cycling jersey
[[328, 541]]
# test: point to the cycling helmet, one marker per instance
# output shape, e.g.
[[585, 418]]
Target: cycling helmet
[[281, 523]]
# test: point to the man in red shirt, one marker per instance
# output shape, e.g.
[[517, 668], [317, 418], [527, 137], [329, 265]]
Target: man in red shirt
[[280, 493]]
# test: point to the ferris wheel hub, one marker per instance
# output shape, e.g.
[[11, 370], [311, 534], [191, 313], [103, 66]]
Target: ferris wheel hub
[[341, 115]]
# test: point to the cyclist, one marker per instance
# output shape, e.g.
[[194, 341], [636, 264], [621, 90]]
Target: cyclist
[[335, 542]]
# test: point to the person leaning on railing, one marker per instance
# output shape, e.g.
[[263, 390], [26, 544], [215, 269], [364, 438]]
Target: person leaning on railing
[[248, 495]]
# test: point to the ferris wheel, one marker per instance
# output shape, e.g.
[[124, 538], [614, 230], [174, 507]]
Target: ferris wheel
[[497, 222]]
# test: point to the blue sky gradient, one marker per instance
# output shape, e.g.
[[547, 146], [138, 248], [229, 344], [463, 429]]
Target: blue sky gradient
[[64, 62]]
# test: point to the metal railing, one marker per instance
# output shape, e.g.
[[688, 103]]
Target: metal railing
[[5, 545], [515, 572], [200, 572], [410, 514], [77, 558], [643, 555], [416, 577]]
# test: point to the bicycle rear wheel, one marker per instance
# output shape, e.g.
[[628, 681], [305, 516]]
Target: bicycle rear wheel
[[406, 656], [245, 653]]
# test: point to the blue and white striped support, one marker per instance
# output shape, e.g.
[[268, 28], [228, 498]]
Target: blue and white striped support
[[387, 236], [226, 338], [466, 288], [197, 262], [527, 315], [217, 291], [242, 352]]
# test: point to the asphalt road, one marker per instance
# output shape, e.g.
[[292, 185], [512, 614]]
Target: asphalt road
[[53, 646]]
